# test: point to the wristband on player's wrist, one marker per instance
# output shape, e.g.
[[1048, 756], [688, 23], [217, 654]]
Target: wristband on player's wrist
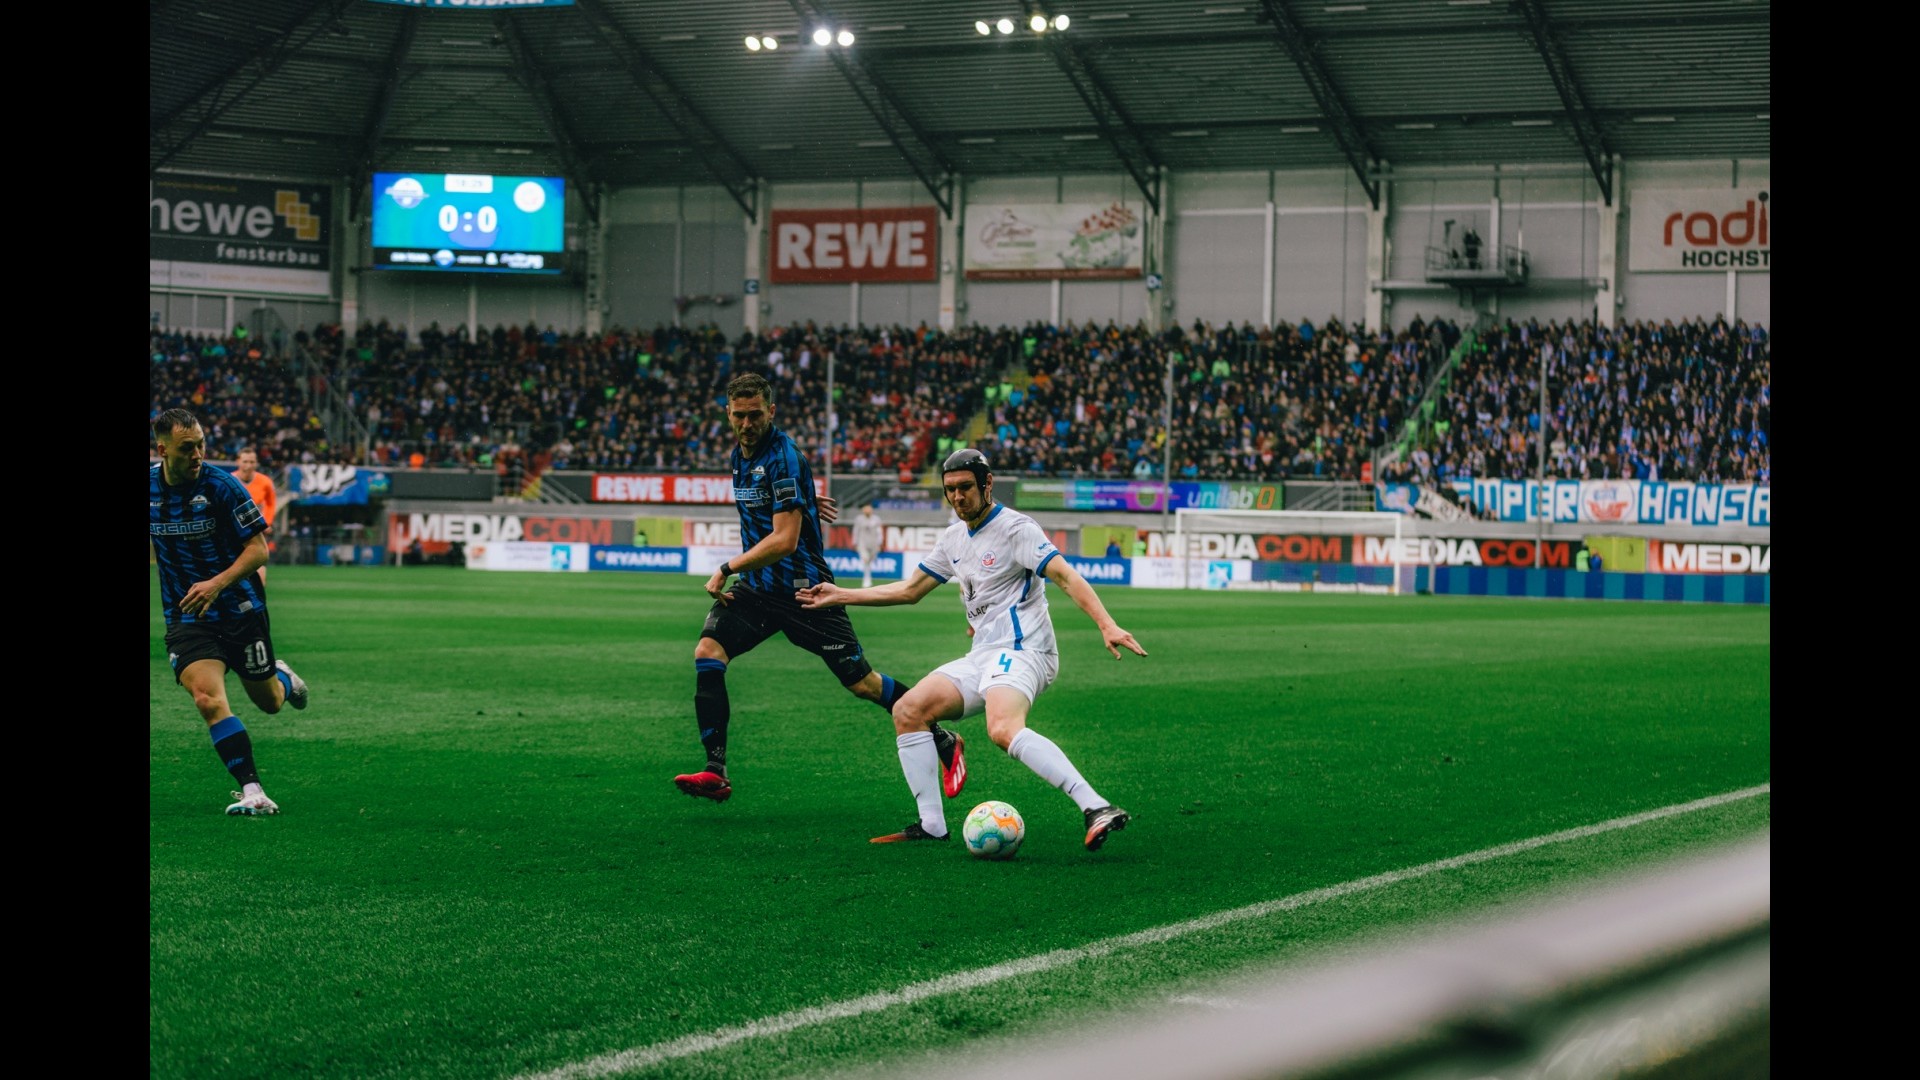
[[726, 569]]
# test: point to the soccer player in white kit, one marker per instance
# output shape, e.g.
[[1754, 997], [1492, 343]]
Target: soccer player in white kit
[[866, 540], [1002, 560]]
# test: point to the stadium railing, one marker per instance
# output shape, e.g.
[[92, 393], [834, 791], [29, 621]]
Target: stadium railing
[[1666, 974]]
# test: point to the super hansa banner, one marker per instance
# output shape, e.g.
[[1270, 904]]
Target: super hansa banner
[[1603, 502], [896, 243]]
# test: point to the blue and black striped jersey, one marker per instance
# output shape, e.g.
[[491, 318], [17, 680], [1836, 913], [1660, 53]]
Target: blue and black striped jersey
[[199, 529], [776, 479]]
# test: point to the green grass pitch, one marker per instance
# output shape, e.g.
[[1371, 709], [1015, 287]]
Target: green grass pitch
[[483, 869]]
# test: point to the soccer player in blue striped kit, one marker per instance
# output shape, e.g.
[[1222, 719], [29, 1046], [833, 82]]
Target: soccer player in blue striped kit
[[209, 541], [1001, 560], [780, 518]]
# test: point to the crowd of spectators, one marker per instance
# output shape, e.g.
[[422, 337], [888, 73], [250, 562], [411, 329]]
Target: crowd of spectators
[[521, 399], [1654, 401], [1294, 400], [245, 393], [1665, 401]]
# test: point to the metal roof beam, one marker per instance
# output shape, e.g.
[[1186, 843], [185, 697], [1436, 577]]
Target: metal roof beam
[[268, 57], [573, 162], [1117, 127], [725, 163], [1112, 37], [376, 126], [1347, 132], [921, 152], [1586, 129]]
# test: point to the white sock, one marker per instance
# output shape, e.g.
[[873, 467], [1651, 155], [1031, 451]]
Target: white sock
[[1037, 752], [248, 791], [921, 762]]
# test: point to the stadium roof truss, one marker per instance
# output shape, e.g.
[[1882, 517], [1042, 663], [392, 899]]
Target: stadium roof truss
[[298, 90]]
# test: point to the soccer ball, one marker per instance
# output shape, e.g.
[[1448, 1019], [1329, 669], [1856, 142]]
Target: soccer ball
[[993, 830]]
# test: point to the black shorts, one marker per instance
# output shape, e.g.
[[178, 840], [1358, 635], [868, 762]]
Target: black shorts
[[754, 617], [245, 645]]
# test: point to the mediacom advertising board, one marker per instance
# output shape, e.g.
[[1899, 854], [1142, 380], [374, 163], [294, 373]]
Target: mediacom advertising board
[[440, 530], [1368, 550], [1669, 557]]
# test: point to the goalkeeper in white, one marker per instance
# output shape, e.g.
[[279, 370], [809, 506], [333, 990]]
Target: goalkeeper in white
[[1002, 560]]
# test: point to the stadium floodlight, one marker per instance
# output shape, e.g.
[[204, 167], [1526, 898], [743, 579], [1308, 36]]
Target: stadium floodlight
[[769, 42], [981, 26], [845, 38], [823, 36], [1061, 22], [1038, 23], [1005, 26], [753, 43]]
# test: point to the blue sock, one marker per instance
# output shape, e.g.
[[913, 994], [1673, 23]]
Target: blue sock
[[711, 711], [891, 690], [286, 683], [230, 741]]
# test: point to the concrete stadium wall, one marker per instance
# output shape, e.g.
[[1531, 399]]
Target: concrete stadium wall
[[660, 243]]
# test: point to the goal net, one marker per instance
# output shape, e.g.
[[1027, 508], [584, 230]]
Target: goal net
[[1297, 550]]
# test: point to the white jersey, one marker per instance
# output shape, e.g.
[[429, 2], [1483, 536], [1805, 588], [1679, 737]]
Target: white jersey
[[866, 532], [1000, 571]]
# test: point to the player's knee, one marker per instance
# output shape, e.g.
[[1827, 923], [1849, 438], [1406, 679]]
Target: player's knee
[[910, 716], [209, 703], [1003, 731], [709, 649]]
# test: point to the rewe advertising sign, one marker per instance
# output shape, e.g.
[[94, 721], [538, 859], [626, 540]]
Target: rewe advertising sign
[[1710, 229], [895, 243]]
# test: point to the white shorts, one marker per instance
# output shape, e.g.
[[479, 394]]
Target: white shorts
[[1023, 670]]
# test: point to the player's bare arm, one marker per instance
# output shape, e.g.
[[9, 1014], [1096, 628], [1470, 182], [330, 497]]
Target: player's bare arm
[[910, 591], [1062, 573], [783, 541], [204, 593]]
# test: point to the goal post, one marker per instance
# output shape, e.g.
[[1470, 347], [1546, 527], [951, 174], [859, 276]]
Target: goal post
[[1368, 551]]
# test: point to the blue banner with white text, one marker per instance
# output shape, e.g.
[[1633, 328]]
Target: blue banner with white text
[[1592, 502]]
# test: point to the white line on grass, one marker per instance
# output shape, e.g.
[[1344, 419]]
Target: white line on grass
[[641, 1057]]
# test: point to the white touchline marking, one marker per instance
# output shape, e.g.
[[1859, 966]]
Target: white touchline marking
[[641, 1057], [1204, 1002]]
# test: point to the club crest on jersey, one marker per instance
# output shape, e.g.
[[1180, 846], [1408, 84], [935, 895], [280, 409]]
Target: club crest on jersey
[[199, 503], [987, 561], [759, 472]]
